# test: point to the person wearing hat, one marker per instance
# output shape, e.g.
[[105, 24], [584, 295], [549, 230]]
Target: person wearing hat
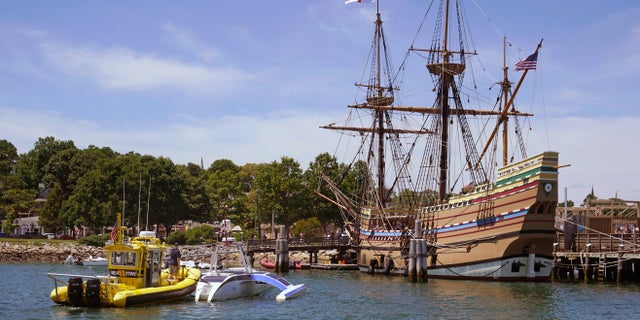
[[174, 262]]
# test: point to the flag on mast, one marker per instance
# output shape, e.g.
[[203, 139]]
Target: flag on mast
[[529, 63], [114, 234]]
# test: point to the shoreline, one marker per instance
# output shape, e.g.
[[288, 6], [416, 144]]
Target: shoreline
[[19, 252], [25, 252]]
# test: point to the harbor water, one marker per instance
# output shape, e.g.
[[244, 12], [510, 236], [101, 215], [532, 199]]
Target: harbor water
[[341, 295]]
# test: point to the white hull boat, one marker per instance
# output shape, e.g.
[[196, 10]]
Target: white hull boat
[[232, 283]]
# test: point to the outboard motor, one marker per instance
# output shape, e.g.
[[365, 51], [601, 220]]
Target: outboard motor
[[74, 291], [92, 293]]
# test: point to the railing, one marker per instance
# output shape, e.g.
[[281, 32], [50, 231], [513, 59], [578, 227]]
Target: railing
[[601, 242], [302, 244]]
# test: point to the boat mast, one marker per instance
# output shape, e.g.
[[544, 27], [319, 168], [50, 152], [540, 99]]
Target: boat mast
[[446, 79], [506, 87], [379, 97], [505, 111], [445, 70], [379, 113]]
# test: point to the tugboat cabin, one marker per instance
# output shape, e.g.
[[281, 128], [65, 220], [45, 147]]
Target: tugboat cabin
[[137, 263]]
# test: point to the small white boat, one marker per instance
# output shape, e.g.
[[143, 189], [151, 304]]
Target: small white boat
[[97, 261], [91, 261], [231, 283], [195, 264]]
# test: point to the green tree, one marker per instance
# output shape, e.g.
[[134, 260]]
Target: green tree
[[590, 196], [257, 210], [95, 199], [32, 165], [570, 204], [12, 194], [49, 218], [283, 191], [194, 191], [224, 188], [325, 211], [8, 160], [167, 204]]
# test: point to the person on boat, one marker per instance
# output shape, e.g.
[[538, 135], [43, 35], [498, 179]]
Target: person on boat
[[174, 262]]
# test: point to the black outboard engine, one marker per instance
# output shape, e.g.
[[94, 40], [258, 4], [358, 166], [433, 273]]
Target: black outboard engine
[[74, 291], [92, 293]]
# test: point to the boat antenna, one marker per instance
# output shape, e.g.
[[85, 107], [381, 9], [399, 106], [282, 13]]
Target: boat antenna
[[146, 226], [139, 195], [123, 199]]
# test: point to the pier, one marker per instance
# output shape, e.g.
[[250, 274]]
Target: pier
[[599, 242], [282, 245]]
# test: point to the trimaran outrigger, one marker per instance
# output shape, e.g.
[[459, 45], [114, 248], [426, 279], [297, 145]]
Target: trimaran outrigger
[[491, 227]]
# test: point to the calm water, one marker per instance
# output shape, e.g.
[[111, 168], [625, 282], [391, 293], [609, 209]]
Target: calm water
[[340, 295]]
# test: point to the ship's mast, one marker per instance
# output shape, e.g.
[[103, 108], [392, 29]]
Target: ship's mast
[[378, 96], [505, 110], [446, 78], [379, 113], [445, 70], [506, 87]]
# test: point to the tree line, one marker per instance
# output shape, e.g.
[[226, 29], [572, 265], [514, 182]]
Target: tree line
[[87, 187]]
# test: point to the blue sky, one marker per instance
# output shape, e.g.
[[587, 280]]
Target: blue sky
[[251, 81]]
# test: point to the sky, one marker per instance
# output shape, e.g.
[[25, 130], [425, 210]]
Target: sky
[[251, 81]]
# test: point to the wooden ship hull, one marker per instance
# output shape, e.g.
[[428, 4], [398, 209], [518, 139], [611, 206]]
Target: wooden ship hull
[[504, 231]]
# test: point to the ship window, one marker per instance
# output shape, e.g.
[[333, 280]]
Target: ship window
[[123, 258]]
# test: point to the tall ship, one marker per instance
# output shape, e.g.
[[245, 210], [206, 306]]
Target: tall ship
[[447, 187]]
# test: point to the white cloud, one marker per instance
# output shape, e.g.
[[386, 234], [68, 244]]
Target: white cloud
[[241, 139], [125, 69], [187, 41], [602, 151]]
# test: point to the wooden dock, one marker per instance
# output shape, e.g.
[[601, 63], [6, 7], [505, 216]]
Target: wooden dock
[[341, 245], [595, 256]]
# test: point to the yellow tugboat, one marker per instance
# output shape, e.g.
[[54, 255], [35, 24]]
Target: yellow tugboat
[[135, 277]]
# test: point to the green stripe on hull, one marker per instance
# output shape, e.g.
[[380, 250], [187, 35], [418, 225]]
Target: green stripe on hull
[[526, 174]]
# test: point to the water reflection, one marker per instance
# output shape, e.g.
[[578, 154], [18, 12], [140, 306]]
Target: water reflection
[[343, 295]]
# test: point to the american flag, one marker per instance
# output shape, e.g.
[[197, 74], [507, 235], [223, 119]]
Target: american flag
[[114, 234], [529, 63]]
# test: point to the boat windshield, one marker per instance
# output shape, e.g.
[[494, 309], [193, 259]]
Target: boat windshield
[[119, 258]]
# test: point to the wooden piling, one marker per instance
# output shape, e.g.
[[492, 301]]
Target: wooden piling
[[282, 251], [421, 260], [411, 267], [619, 269]]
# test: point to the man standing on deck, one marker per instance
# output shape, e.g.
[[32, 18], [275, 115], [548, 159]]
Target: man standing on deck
[[174, 262]]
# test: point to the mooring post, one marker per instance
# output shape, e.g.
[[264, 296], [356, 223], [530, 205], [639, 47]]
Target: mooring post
[[619, 271], [586, 264], [411, 266], [422, 256], [282, 251]]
